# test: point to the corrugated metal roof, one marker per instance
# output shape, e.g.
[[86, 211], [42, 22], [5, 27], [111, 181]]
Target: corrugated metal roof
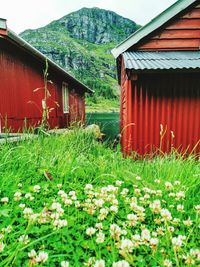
[[153, 25], [162, 60]]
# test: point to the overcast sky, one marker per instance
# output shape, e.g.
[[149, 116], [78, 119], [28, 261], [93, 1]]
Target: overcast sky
[[31, 14]]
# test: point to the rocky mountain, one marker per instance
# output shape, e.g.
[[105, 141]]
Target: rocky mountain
[[81, 43]]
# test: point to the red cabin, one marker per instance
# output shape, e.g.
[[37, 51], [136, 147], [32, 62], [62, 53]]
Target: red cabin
[[21, 74], [159, 73]]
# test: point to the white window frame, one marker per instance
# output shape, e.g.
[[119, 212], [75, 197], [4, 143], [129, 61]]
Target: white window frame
[[65, 97]]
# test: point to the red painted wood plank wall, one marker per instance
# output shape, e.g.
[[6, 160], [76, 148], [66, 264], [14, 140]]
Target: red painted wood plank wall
[[20, 74], [181, 33]]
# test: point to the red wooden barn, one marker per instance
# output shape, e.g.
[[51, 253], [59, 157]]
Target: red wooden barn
[[159, 72], [21, 72]]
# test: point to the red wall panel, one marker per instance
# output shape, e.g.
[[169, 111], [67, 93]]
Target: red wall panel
[[20, 75], [170, 100]]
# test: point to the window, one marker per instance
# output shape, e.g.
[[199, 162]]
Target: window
[[65, 98]]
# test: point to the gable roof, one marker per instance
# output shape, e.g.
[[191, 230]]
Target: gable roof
[[29, 48], [154, 24]]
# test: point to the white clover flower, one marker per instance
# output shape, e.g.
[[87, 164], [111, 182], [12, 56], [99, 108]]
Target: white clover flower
[[1, 236], [157, 181], [2, 246], [90, 262], [27, 212], [160, 231], [195, 253], [99, 226], [167, 263], [24, 239], [155, 206], [22, 205], [136, 240], [72, 194], [180, 195], [197, 208], [90, 231], [126, 246], [137, 192], [64, 264], [99, 263], [5, 200], [112, 188], [145, 235], [32, 254], [119, 183], [177, 242], [159, 193], [99, 202], [133, 219], [122, 263], [100, 237], [171, 229], [115, 231], [33, 217], [103, 213], [55, 216], [59, 223], [166, 214], [124, 192], [188, 222], [59, 186], [168, 185], [61, 192], [29, 196], [171, 194], [42, 257], [154, 234], [114, 209], [88, 187], [17, 196], [56, 206], [177, 182], [176, 221], [153, 242], [114, 202], [138, 178], [68, 202], [189, 261], [36, 188], [123, 232], [8, 229], [180, 208], [147, 190], [77, 204]]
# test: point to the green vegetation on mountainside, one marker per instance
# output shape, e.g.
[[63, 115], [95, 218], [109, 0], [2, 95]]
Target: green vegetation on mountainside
[[81, 42]]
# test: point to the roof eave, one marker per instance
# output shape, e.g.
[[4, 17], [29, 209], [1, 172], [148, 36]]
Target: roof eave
[[160, 20], [38, 54]]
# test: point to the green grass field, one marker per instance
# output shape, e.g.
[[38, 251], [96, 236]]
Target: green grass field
[[71, 201]]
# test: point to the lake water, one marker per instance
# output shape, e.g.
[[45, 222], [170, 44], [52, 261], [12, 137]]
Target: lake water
[[108, 122]]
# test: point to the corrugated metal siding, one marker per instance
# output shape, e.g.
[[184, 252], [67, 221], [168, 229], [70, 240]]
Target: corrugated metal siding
[[170, 37], [171, 100], [162, 60], [20, 74]]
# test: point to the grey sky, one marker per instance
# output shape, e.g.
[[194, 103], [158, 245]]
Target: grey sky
[[25, 14]]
